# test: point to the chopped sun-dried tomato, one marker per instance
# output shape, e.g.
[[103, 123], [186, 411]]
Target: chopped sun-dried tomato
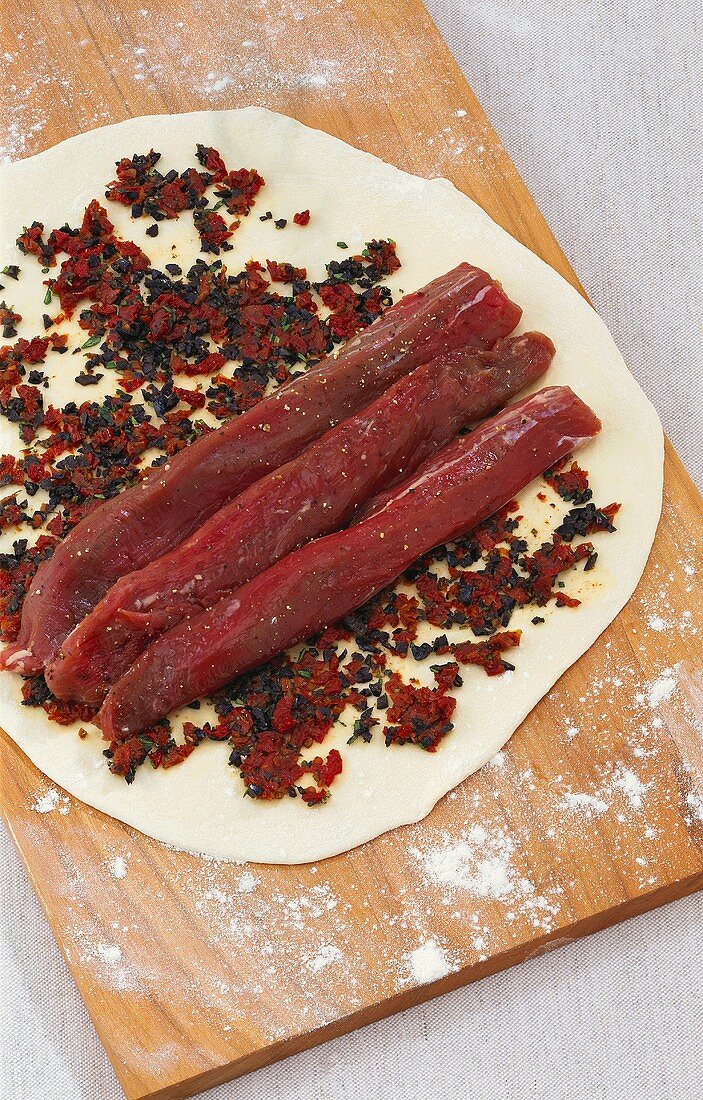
[[211, 161], [418, 715], [487, 654], [239, 189], [212, 230], [571, 484], [285, 273], [31, 242]]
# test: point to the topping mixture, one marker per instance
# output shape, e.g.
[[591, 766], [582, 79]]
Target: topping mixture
[[157, 328]]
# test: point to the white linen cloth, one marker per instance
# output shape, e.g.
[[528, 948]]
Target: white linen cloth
[[600, 106]]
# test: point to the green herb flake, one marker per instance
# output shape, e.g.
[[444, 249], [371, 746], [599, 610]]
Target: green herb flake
[[92, 341]]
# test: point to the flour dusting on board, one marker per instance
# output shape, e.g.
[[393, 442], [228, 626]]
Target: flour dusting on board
[[661, 689], [587, 803], [50, 801], [477, 862], [428, 963], [109, 953], [160, 54], [327, 954], [118, 867], [694, 803], [633, 788], [47, 802], [248, 883], [483, 865]]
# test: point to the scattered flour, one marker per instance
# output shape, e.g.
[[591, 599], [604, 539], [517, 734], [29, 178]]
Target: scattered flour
[[118, 867], [482, 865], [631, 786], [52, 800], [661, 689], [655, 622], [248, 883], [47, 802], [161, 55], [477, 863], [590, 804], [623, 780], [428, 963], [326, 955], [109, 953], [214, 84], [695, 805]]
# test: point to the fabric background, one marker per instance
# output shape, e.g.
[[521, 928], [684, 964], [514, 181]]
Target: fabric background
[[600, 106]]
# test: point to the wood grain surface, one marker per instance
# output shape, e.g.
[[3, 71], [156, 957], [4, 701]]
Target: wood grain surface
[[194, 971]]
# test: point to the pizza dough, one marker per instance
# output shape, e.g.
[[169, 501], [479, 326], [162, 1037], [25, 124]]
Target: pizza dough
[[353, 197]]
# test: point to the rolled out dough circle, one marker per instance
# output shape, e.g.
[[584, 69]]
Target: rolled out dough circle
[[353, 197]]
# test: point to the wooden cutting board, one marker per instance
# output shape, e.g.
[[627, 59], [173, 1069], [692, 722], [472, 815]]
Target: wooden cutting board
[[193, 971]]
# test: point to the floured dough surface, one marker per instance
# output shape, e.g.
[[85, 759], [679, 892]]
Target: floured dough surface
[[353, 197]]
